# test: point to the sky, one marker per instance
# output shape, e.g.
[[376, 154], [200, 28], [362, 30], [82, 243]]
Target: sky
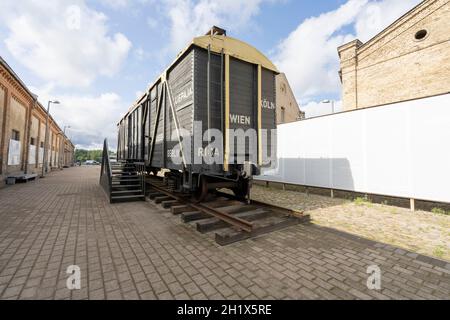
[[97, 56]]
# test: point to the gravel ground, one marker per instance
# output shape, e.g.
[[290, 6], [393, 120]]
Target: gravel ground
[[422, 232]]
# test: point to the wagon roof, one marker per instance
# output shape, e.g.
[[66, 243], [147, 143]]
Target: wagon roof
[[235, 48], [231, 46]]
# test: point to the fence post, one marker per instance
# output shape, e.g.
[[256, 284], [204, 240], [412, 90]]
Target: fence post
[[412, 203]]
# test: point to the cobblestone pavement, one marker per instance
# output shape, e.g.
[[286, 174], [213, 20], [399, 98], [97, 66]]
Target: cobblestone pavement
[[137, 250], [422, 232]]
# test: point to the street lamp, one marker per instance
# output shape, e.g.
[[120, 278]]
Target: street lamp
[[45, 164], [332, 104]]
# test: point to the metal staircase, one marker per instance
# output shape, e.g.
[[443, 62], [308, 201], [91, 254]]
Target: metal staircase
[[122, 181]]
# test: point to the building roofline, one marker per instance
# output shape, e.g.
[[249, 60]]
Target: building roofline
[[17, 78], [380, 35], [350, 44], [283, 75], [396, 22], [32, 95]]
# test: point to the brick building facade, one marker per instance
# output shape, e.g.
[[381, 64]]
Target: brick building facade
[[22, 130], [288, 109], [408, 60]]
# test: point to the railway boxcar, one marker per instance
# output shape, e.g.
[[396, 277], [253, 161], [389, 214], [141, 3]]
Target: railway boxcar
[[209, 119]]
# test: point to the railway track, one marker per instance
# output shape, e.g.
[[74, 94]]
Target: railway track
[[229, 219]]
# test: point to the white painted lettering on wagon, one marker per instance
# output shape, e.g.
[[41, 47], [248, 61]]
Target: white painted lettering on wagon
[[184, 95], [266, 104], [239, 119], [208, 152]]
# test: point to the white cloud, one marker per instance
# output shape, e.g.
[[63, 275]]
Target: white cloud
[[66, 45], [115, 4], [91, 117], [121, 4], [189, 18], [309, 56], [378, 15]]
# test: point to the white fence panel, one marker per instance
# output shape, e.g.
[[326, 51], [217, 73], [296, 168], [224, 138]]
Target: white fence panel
[[32, 154], [14, 153], [397, 150]]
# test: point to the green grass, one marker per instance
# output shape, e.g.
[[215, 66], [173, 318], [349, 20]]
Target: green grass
[[362, 201], [440, 211], [439, 252]]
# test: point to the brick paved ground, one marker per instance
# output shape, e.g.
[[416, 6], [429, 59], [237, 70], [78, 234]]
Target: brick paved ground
[[137, 250]]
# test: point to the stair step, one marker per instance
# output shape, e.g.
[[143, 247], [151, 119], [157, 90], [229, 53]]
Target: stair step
[[126, 178], [127, 197], [126, 191], [125, 185]]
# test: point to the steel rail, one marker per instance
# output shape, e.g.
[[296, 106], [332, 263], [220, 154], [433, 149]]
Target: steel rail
[[228, 218], [287, 211]]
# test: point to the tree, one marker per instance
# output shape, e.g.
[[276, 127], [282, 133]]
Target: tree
[[83, 155]]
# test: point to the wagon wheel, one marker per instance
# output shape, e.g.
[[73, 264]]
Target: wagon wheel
[[202, 192]]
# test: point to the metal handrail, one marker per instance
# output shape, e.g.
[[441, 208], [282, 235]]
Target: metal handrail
[[141, 170], [106, 171]]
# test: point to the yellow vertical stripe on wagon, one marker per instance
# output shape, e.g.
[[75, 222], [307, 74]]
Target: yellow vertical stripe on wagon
[[227, 113], [259, 115]]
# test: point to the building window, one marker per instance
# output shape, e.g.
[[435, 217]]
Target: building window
[[283, 111], [33, 141], [42, 144], [15, 135], [420, 35]]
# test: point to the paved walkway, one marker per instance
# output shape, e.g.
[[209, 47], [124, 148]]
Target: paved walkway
[[137, 250]]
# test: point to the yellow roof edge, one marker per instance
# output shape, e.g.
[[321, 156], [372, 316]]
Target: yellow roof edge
[[235, 48], [232, 46]]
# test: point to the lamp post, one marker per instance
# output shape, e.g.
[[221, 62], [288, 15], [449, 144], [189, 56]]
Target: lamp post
[[45, 164], [332, 104], [66, 127]]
